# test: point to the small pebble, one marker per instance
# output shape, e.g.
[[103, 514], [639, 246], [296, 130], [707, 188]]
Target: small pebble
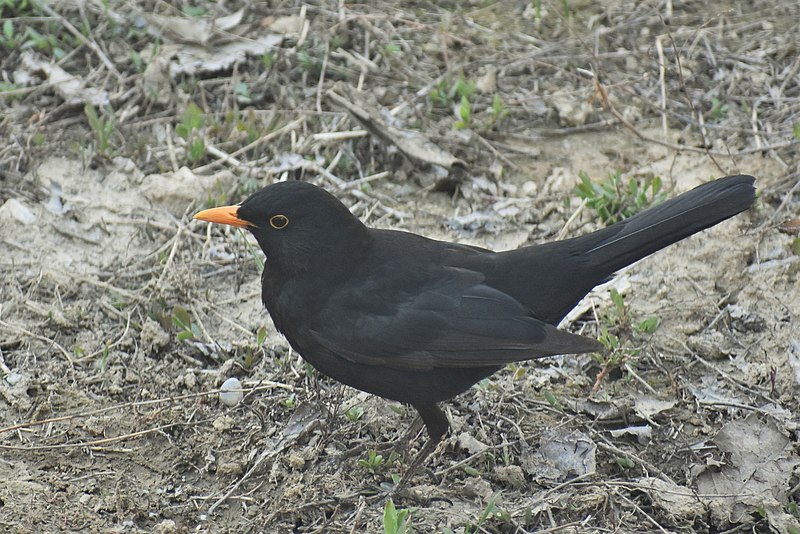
[[13, 378], [231, 392]]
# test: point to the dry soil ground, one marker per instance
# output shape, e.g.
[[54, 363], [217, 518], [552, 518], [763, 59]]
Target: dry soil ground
[[120, 316]]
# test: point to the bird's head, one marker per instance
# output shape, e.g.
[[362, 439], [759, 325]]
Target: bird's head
[[296, 224]]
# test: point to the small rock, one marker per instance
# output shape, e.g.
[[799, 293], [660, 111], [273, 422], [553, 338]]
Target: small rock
[[153, 337], [231, 392], [295, 461], [223, 423], [156, 83], [189, 380], [488, 82], [711, 345], [287, 25], [745, 321], [96, 426], [511, 475], [13, 378], [231, 469], [167, 526], [177, 190], [530, 188], [470, 444], [477, 487], [571, 110], [15, 210]]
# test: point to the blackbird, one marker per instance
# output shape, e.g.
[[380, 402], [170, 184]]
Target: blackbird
[[419, 321]]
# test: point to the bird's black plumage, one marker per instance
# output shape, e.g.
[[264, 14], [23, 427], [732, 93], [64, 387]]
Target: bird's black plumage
[[418, 320]]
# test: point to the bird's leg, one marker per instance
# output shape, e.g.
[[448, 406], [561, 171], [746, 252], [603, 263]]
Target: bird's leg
[[395, 444], [437, 425]]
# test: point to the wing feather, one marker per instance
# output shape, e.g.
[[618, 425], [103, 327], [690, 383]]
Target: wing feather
[[456, 321]]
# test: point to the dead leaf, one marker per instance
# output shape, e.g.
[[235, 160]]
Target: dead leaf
[[199, 31], [287, 25], [470, 444], [678, 501], [647, 407], [756, 477], [562, 454], [643, 434], [794, 359], [414, 145], [71, 88], [194, 59], [14, 210], [488, 82], [792, 226], [305, 418]]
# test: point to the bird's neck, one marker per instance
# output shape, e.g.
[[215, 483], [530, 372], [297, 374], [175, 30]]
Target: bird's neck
[[329, 259]]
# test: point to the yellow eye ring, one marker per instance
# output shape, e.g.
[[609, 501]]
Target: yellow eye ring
[[279, 222]]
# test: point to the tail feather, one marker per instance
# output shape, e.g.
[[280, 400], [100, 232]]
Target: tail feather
[[639, 236], [565, 271]]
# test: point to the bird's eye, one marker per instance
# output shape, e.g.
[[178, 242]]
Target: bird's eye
[[279, 222]]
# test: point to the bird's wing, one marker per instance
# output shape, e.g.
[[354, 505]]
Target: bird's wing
[[456, 322]]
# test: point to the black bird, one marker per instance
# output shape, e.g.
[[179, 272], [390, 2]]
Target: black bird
[[419, 321]]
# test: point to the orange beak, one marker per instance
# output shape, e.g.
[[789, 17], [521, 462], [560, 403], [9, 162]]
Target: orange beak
[[224, 215]]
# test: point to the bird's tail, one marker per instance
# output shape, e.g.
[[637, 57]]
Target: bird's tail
[[628, 241], [566, 270]]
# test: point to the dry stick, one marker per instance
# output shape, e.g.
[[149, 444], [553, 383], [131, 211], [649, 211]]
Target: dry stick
[[505, 159], [306, 26], [564, 229], [261, 140], [322, 75], [222, 155], [786, 199], [789, 77], [662, 70], [357, 519], [738, 383], [239, 298], [710, 153], [640, 380], [170, 258], [90, 444], [264, 455], [82, 38], [366, 179], [263, 385], [542, 496], [701, 123], [313, 166], [3, 367], [472, 456], [682, 82], [609, 447], [514, 424], [205, 332], [231, 321], [171, 149], [639, 509], [335, 161], [754, 122], [337, 136]]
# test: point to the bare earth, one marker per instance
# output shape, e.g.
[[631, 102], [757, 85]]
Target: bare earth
[[120, 316]]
